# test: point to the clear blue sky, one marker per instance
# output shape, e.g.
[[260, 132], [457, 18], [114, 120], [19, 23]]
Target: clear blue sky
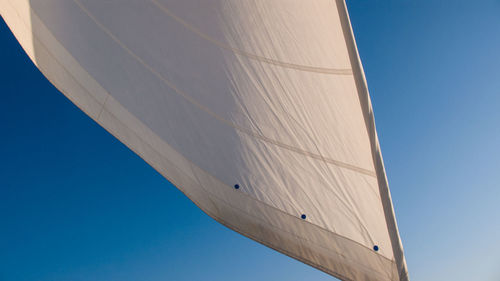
[[76, 204]]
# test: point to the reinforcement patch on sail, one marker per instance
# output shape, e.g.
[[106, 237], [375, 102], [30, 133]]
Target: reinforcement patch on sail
[[257, 110]]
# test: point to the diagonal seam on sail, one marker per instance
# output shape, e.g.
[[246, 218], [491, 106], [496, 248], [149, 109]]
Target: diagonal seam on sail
[[198, 32], [216, 116]]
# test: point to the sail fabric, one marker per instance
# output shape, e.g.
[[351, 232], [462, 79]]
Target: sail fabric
[[257, 110]]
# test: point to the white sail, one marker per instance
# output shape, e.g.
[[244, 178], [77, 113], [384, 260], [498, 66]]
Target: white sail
[[257, 110]]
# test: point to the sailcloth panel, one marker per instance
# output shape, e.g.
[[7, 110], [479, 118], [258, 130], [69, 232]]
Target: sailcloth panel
[[256, 109]]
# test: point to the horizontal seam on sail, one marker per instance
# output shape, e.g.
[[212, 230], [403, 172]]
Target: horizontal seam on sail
[[247, 54], [216, 116], [212, 194]]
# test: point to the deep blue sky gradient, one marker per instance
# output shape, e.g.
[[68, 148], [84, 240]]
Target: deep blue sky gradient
[[76, 204]]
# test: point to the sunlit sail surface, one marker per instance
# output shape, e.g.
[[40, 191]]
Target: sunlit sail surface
[[257, 110]]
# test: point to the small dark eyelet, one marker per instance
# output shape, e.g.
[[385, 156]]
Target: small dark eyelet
[[303, 216], [375, 248], [236, 186]]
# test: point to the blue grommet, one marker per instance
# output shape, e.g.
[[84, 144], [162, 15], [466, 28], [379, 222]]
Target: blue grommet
[[236, 186], [303, 216], [375, 248]]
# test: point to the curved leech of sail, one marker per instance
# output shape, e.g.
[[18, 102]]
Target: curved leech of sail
[[247, 54], [194, 102]]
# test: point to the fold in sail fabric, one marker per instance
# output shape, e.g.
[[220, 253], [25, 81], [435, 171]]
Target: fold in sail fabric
[[257, 110]]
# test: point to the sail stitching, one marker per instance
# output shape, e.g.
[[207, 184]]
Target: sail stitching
[[244, 194], [213, 114], [160, 153], [247, 54], [103, 105]]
